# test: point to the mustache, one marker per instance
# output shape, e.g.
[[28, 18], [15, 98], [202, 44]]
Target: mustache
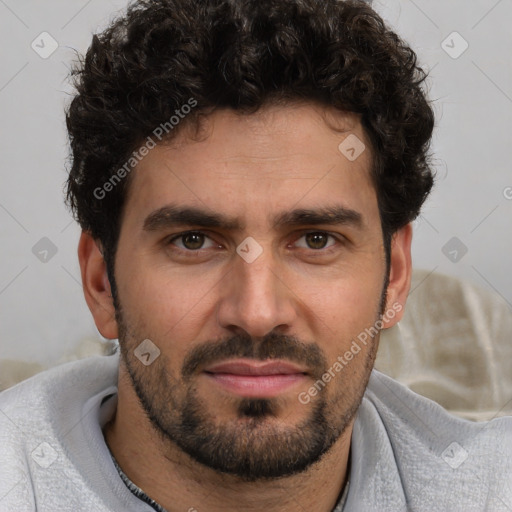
[[272, 346]]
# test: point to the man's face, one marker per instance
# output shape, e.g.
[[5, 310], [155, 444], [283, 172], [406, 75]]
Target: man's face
[[205, 299]]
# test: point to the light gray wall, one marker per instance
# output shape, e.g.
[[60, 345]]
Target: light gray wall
[[42, 311]]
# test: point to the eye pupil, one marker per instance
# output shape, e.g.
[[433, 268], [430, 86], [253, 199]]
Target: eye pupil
[[316, 239], [190, 243]]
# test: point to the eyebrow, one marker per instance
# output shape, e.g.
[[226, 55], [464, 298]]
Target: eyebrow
[[174, 215]]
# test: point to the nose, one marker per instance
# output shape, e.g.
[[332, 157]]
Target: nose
[[256, 297]]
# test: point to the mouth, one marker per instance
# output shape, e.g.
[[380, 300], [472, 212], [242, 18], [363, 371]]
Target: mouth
[[256, 379]]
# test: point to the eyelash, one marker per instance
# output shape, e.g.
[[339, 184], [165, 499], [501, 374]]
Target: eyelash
[[327, 250]]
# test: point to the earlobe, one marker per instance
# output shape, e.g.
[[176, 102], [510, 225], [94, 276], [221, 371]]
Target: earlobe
[[399, 276], [96, 286]]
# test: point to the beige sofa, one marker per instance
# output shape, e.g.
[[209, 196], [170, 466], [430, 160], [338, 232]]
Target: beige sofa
[[454, 345]]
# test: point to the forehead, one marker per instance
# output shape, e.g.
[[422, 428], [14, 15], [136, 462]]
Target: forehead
[[257, 163]]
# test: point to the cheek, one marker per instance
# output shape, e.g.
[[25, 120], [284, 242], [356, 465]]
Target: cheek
[[348, 303], [342, 308], [165, 301]]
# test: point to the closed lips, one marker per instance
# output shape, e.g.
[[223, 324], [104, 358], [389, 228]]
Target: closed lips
[[256, 369]]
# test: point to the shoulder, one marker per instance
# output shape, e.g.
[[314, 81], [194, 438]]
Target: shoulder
[[67, 383], [426, 453], [36, 415], [401, 409]]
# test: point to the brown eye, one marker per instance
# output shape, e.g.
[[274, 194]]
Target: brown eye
[[191, 241], [317, 240]]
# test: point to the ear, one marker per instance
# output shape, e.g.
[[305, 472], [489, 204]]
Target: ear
[[96, 286], [399, 276]]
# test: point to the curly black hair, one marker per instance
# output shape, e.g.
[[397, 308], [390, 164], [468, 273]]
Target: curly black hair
[[242, 54]]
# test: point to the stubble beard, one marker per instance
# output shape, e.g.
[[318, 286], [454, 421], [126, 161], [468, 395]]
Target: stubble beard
[[257, 444]]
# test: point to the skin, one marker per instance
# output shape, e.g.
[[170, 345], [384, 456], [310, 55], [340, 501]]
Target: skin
[[249, 167]]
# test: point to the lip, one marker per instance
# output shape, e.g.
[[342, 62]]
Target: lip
[[256, 379], [249, 367]]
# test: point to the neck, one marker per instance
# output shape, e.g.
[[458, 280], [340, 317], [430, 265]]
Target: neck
[[175, 481]]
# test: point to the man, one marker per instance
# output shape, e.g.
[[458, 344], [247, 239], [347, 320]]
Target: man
[[245, 175]]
